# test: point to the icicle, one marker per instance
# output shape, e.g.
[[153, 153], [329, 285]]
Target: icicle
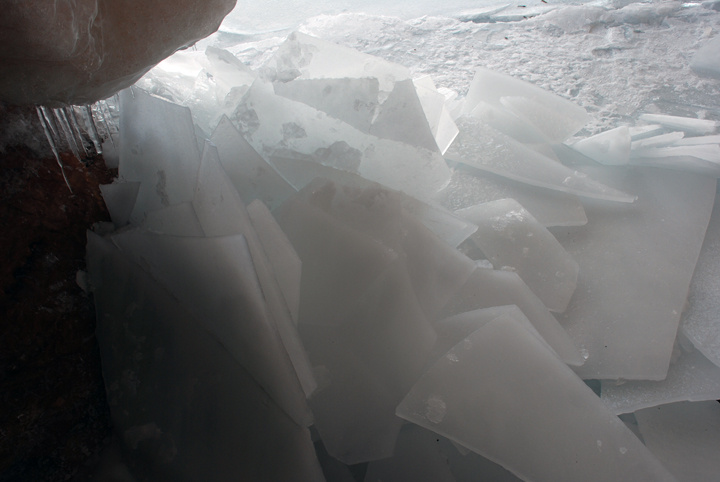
[[50, 123], [69, 137], [47, 127], [104, 119], [70, 114], [92, 130]]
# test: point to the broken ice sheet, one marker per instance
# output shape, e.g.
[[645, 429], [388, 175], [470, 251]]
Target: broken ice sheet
[[690, 377], [216, 281], [157, 149], [176, 220], [671, 138], [369, 361], [610, 147], [530, 413], [172, 416], [512, 238], [636, 261], [120, 199], [686, 437], [480, 146], [469, 186], [686, 124], [486, 288]]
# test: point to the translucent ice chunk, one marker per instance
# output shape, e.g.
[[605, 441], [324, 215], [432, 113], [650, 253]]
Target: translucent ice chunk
[[500, 118], [251, 175], [284, 260], [488, 288], [433, 103], [685, 124], [511, 237], [227, 71], [469, 186], [706, 152], [157, 149], [706, 61], [176, 220], [685, 436], [642, 132], [505, 409], [626, 292], [218, 283], [556, 118], [156, 357], [483, 147], [658, 141], [700, 140], [610, 147], [691, 377], [120, 200]]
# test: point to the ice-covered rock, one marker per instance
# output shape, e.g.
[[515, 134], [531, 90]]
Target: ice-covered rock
[[706, 61], [610, 147]]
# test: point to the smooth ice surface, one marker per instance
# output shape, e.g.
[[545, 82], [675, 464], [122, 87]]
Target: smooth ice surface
[[251, 175], [483, 147], [511, 238], [171, 416], [176, 220], [636, 261], [469, 186], [433, 103], [610, 147], [706, 61], [701, 318], [671, 138], [216, 281], [157, 149], [690, 377], [284, 260], [529, 412], [686, 437], [554, 117], [685, 124], [365, 365], [488, 288], [120, 199]]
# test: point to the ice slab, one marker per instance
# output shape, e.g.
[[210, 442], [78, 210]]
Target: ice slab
[[554, 117], [671, 138], [700, 320], [469, 186], [686, 437], [157, 149], [366, 364], [217, 282], [531, 413], [642, 132], [480, 146], [706, 152], [686, 124], [690, 377], [437, 114], [172, 417], [610, 147], [284, 260], [636, 261], [222, 212], [700, 159], [120, 199], [416, 458], [706, 61], [699, 140], [227, 71], [512, 238], [500, 118], [251, 175], [176, 220], [488, 288]]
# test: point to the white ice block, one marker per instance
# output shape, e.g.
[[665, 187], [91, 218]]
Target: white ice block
[[469, 186], [691, 377], [156, 357], [176, 220], [671, 138], [251, 175], [488, 288], [120, 199], [556, 118], [699, 140], [483, 147], [157, 149], [284, 260], [511, 238], [610, 147], [686, 437], [635, 262], [530, 413], [706, 61], [217, 282], [686, 124]]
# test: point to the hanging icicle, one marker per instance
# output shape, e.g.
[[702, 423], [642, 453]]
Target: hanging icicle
[[103, 118], [70, 114], [47, 128], [92, 129], [67, 130]]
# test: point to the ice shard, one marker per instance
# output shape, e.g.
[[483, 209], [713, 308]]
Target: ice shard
[[120, 200], [171, 416], [671, 138], [610, 147], [228, 72], [530, 413], [706, 61], [699, 140], [157, 149], [441, 123], [481, 146], [686, 124], [511, 238], [643, 132]]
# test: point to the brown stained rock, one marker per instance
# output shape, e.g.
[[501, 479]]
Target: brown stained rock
[[53, 411]]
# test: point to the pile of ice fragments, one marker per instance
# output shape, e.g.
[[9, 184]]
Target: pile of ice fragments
[[358, 276]]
